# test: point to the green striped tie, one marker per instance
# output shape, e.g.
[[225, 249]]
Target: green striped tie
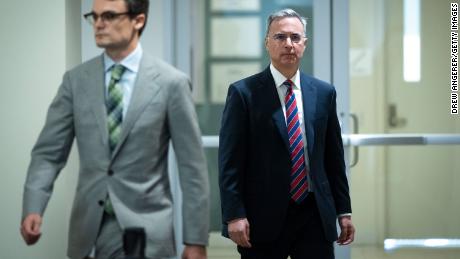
[[114, 117], [115, 106]]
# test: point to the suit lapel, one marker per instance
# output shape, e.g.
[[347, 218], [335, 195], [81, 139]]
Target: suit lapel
[[144, 90], [280, 122], [95, 89], [309, 109], [269, 96]]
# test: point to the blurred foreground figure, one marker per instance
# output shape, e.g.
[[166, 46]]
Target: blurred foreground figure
[[123, 108]]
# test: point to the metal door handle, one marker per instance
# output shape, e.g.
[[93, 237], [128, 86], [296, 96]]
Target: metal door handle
[[355, 130], [393, 120]]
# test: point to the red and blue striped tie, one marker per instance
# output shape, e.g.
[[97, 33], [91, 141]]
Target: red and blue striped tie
[[299, 183]]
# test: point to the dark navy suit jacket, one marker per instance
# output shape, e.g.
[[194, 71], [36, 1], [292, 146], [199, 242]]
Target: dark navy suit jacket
[[254, 161]]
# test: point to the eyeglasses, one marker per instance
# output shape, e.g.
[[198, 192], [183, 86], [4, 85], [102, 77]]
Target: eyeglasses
[[281, 37], [106, 17]]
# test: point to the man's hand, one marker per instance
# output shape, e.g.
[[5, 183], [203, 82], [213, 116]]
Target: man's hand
[[347, 234], [238, 230], [194, 252], [30, 228]]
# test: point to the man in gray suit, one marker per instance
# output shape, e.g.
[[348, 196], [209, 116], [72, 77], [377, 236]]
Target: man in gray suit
[[123, 108]]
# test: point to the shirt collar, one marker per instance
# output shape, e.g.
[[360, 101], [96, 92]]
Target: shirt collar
[[131, 62], [280, 78]]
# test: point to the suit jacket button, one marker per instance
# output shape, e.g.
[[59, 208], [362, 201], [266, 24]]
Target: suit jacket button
[[101, 203], [110, 172]]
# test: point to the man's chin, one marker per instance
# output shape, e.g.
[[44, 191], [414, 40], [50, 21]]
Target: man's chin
[[101, 44]]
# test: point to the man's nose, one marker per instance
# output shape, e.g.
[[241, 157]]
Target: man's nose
[[289, 42], [98, 23]]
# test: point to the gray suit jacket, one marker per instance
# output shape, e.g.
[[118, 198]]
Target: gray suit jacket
[[135, 174]]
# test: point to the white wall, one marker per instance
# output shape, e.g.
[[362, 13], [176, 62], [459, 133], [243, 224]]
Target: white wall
[[40, 40]]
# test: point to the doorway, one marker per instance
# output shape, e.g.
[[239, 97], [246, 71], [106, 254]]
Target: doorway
[[400, 191]]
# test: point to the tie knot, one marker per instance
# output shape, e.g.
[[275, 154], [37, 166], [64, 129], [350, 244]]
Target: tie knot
[[288, 83], [117, 71]]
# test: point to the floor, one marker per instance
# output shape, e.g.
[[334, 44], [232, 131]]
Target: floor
[[221, 248]]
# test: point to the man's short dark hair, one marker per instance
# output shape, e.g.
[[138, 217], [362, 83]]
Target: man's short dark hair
[[136, 7]]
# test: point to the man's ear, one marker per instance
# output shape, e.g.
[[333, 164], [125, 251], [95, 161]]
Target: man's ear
[[140, 21]]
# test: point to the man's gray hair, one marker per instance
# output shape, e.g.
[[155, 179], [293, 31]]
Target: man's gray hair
[[284, 14]]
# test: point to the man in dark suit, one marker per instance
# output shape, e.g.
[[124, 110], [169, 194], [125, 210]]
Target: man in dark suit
[[123, 108], [281, 163]]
